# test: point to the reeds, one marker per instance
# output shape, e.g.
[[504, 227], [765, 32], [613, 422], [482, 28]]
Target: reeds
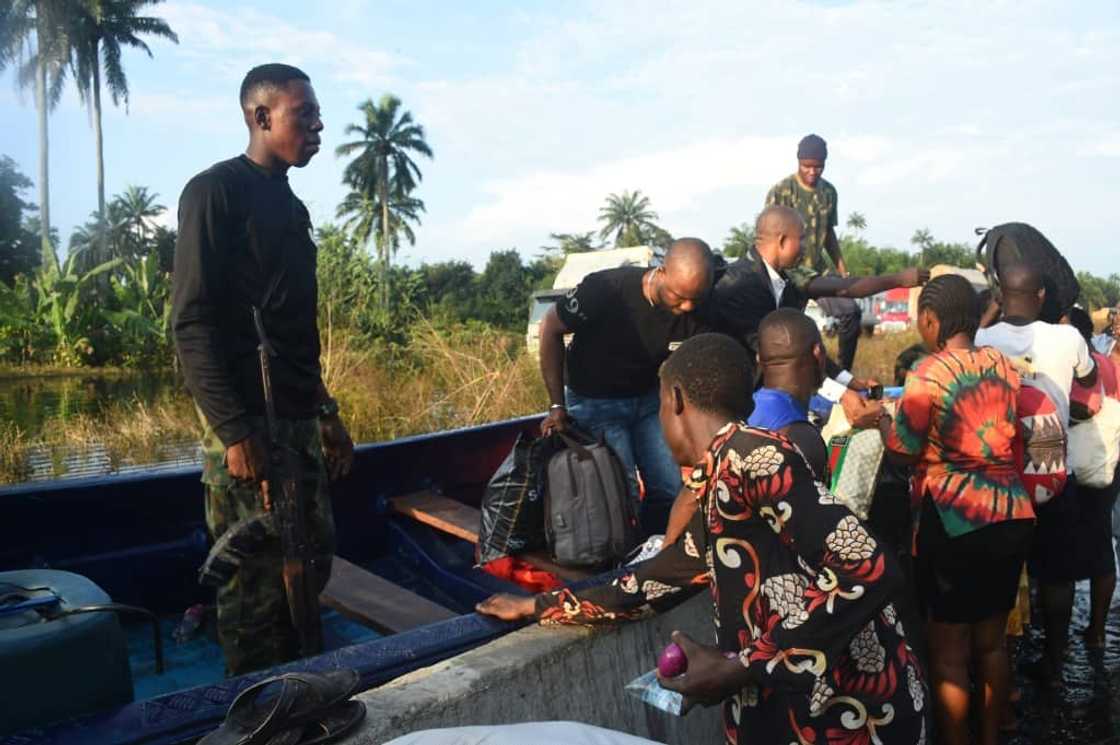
[[447, 376], [875, 355]]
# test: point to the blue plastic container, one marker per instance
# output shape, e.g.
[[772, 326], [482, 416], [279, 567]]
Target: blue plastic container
[[67, 667]]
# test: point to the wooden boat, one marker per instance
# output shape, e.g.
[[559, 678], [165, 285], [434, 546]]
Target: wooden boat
[[400, 597]]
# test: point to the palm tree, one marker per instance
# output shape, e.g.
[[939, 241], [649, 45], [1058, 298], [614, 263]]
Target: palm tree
[[924, 240], [572, 243], [630, 220], [41, 65], [857, 222], [739, 242], [101, 29], [365, 217], [138, 211], [383, 174]]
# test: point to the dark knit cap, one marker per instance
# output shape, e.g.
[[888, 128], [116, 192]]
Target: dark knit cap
[[812, 147]]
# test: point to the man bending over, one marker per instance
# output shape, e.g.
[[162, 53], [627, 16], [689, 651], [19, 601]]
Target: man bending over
[[624, 323]]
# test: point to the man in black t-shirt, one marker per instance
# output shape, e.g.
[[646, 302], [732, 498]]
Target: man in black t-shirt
[[245, 240], [624, 323]]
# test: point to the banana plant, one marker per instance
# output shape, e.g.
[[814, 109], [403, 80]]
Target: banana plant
[[143, 293], [57, 298]]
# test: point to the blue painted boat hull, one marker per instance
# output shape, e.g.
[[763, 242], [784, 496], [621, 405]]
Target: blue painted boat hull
[[142, 537]]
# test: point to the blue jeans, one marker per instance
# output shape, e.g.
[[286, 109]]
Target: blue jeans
[[631, 427]]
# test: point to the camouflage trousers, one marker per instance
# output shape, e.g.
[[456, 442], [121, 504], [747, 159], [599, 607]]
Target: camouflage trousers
[[254, 625]]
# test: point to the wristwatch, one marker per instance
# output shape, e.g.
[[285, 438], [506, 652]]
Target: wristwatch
[[327, 409]]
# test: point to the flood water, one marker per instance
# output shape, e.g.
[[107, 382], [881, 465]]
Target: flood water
[[32, 401], [1087, 708], [35, 403]]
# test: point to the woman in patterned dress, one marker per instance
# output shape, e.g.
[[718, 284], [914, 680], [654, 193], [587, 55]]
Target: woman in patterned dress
[[809, 648], [956, 424]]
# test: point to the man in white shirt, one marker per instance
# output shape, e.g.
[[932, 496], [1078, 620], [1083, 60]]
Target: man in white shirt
[[1049, 357]]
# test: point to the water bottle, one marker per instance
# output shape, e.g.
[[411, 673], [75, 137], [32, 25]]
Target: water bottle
[[191, 623]]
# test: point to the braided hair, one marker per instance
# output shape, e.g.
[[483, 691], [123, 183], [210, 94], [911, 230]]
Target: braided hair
[[952, 299], [1083, 322]]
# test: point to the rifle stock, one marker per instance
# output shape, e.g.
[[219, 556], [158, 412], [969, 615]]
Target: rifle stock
[[290, 515]]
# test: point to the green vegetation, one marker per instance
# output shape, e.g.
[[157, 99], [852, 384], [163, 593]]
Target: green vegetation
[[631, 221], [405, 349], [47, 40], [382, 178], [101, 28], [450, 375]]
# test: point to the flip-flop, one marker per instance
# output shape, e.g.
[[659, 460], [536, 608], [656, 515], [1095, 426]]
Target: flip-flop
[[302, 698], [338, 721]]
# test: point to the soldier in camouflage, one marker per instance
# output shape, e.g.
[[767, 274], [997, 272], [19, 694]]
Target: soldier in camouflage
[[815, 200], [244, 244], [254, 625]]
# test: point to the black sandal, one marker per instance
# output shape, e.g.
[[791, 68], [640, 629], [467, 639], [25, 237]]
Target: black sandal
[[338, 721], [303, 699]]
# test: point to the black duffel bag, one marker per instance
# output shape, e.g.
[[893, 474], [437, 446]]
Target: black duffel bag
[[513, 506], [1017, 242]]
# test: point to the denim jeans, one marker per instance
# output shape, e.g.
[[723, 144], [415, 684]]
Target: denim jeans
[[631, 427]]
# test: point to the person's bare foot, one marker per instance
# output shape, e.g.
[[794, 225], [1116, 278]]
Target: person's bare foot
[[1094, 640]]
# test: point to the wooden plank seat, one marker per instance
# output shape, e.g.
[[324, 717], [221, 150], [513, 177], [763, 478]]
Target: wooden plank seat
[[376, 602], [462, 521]]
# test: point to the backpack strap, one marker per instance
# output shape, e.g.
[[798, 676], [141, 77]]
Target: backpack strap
[[582, 453]]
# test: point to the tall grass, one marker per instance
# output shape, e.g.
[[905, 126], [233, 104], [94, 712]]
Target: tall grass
[[445, 377]]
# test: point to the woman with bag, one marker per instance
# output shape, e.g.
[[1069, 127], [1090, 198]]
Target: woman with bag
[[1094, 447]]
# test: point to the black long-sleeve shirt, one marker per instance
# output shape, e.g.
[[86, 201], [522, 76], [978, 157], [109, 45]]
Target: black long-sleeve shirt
[[244, 240]]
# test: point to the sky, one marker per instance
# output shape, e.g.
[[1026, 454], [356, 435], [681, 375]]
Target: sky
[[946, 116]]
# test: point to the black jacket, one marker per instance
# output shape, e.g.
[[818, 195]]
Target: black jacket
[[744, 294]]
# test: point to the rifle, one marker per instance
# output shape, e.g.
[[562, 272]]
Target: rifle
[[288, 509]]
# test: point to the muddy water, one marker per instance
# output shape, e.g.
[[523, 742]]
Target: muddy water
[[1087, 709], [33, 404], [33, 401]]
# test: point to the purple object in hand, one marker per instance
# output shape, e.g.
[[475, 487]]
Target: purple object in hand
[[672, 661]]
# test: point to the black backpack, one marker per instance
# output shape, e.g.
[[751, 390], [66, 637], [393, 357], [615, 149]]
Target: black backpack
[[590, 517], [1016, 242]]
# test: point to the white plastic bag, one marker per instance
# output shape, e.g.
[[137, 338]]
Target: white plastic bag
[[648, 690], [1094, 446]]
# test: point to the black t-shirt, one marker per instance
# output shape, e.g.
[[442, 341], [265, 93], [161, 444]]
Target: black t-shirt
[[619, 339], [245, 239]]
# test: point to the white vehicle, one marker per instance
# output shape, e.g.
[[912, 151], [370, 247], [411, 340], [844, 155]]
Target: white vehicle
[[576, 267], [824, 322]]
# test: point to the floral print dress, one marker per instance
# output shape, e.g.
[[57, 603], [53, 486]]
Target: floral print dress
[[800, 592]]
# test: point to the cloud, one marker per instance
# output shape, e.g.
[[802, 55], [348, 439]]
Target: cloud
[[231, 39], [177, 102], [674, 179], [1106, 144]]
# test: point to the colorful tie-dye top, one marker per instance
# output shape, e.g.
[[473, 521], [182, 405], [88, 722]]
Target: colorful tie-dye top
[[957, 415]]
